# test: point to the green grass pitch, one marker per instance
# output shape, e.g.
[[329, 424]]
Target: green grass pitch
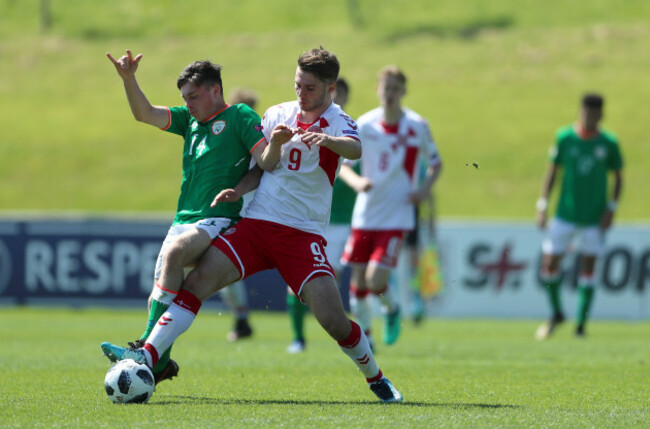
[[453, 373]]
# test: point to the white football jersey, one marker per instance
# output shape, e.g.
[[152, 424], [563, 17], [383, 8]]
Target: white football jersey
[[298, 191], [390, 160]]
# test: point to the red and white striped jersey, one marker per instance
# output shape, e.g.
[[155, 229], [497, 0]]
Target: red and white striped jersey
[[390, 159], [298, 191]]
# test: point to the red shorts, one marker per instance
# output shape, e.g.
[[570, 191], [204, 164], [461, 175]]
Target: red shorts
[[255, 245], [379, 246]]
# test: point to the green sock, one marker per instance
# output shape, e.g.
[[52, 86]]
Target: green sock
[[297, 312], [585, 298], [157, 310], [553, 290]]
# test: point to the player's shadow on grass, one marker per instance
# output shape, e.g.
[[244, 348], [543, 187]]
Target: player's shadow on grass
[[186, 399]]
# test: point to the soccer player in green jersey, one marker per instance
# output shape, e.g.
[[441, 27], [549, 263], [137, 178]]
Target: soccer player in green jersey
[[343, 197], [586, 154], [219, 141]]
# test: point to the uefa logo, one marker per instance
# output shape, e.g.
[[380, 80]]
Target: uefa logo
[[5, 267]]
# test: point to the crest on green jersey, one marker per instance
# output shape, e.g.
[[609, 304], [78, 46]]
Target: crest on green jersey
[[218, 127]]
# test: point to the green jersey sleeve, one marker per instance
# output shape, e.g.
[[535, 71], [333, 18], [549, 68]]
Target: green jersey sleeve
[[250, 126], [179, 120]]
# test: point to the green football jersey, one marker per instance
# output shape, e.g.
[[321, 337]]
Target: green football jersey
[[216, 155], [343, 198], [585, 164]]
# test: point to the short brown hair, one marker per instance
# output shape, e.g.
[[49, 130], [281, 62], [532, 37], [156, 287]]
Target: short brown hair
[[201, 73], [394, 71], [322, 63], [244, 95]]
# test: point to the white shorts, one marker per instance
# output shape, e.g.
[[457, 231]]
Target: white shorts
[[213, 226], [337, 235], [560, 234]]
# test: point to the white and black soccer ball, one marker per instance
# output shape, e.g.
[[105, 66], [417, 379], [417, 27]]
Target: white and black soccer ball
[[129, 382]]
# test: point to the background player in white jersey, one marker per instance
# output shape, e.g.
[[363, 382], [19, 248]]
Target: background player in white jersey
[[285, 222], [218, 142], [395, 137]]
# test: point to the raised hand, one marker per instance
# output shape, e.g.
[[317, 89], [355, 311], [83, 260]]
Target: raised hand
[[126, 65], [281, 134], [312, 138]]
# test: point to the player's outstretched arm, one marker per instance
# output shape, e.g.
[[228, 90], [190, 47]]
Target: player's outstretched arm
[[424, 192], [353, 180], [142, 110], [542, 201], [347, 147], [248, 183], [612, 205], [272, 152]]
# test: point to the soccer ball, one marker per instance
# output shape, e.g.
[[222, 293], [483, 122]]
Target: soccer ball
[[129, 382]]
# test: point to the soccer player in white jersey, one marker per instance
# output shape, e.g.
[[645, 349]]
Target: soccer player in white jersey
[[285, 223], [394, 138]]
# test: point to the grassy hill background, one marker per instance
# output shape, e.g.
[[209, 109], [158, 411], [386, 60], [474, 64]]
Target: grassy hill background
[[495, 79]]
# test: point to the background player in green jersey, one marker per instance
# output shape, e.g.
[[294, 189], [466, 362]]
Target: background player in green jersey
[[219, 140], [586, 154], [235, 295], [343, 197]]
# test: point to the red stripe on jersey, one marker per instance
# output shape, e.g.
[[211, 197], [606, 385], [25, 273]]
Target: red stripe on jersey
[[215, 115], [410, 158], [389, 129], [169, 119], [329, 162], [323, 123]]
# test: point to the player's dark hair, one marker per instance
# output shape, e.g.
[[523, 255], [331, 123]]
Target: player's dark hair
[[201, 73], [593, 101], [342, 84], [322, 63]]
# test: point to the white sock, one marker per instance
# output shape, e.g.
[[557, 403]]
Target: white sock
[[177, 319], [356, 346]]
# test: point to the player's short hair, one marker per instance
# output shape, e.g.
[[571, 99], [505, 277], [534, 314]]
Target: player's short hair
[[342, 84], [322, 63], [243, 95], [201, 73], [396, 72], [593, 101]]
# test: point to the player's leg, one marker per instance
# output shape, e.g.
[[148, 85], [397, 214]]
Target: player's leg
[[591, 245], [377, 281], [182, 249], [237, 300], [360, 300], [553, 249], [296, 310], [324, 300], [214, 271]]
